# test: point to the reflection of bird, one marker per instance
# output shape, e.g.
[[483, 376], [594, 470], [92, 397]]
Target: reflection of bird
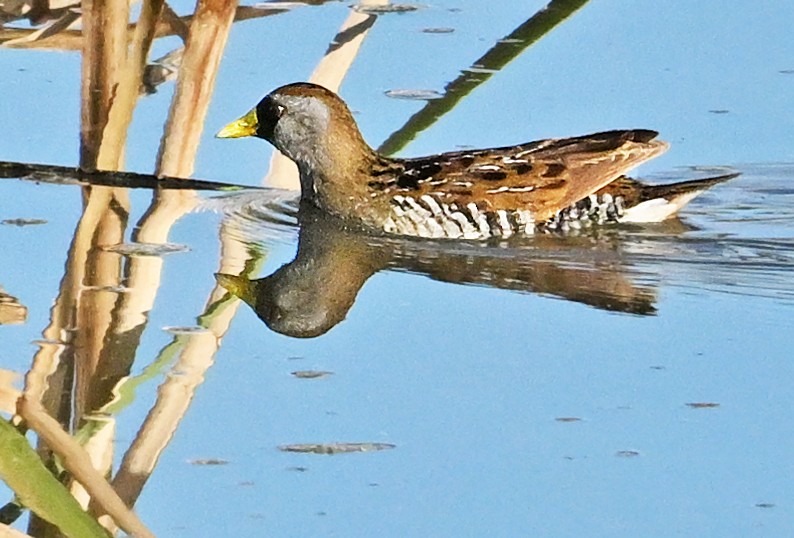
[[548, 184], [314, 292]]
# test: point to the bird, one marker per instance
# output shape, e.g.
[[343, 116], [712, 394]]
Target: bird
[[556, 184]]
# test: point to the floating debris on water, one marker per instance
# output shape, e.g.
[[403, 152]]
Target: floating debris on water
[[311, 374], [765, 505], [387, 8], [278, 6], [416, 95], [627, 453], [702, 405], [335, 448], [568, 419], [438, 30], [208, 461], [23, 222], [719, 111], [298, 469], [145, 249], [189, 329]]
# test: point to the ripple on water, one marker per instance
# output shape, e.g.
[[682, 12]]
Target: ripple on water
[[742, 242], [256, 216], [737, 238]]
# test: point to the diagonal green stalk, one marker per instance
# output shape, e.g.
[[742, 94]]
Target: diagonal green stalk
[[506, 50], [36, 487]]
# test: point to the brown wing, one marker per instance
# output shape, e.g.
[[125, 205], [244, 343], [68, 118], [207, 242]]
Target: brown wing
[[543, 177]]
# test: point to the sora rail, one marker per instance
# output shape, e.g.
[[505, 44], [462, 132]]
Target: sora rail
[[553, 184]]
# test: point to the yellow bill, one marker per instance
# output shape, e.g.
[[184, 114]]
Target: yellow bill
[[245, 126]]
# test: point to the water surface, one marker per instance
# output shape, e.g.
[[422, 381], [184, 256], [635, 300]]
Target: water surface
[[635, 381]]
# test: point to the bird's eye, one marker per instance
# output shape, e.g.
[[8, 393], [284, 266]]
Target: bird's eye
[[280, 109]]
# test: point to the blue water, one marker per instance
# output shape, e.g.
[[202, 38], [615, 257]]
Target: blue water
[[468, 381]]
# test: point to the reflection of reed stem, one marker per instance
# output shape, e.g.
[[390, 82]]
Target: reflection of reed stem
[[96, 318], [330, 72], [176, 393], [506, 50], [10, 532]]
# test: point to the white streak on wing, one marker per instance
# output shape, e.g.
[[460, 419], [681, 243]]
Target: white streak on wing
[[405, 227], [396, 206], [434, 228], [465, 224], [416, 212], [474, 210], [504, 223], [525, 220], [389, 226], [658, 209], [487, 167], [422, 230], [432, 205], [421, 217], [479, 217], [497, 191], [400, 222], [467, 229], [405, 218], [451, 229], [435, 223]]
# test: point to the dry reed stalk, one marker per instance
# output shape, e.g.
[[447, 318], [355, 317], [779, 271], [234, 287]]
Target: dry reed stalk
[[73, 39], [209, 31], [104, 51], [127, 88], [76, 461]]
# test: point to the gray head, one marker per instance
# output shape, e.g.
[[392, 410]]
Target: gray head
[[309, 124], [297, 118]]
